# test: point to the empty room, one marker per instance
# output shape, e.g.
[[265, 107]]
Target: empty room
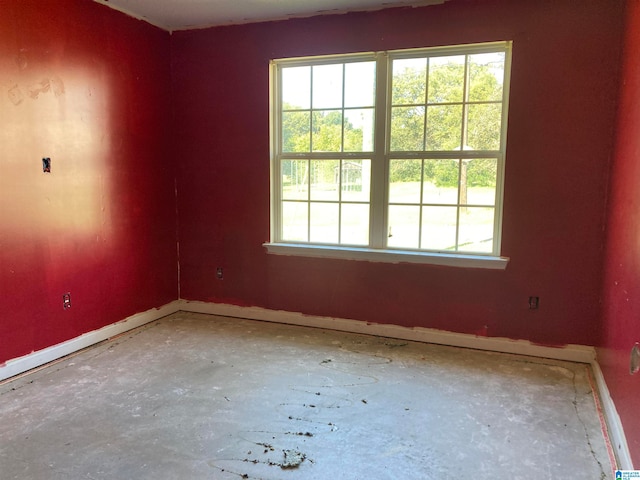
[[349, 239]]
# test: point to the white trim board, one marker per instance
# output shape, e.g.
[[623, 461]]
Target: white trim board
[[19, 365], [614, 424], [572, 353]]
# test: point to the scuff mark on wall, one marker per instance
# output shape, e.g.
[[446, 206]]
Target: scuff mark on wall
[[15, 95], [54, 84], [37, 88]]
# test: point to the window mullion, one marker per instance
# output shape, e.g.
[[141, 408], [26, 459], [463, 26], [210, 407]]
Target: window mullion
[[463, 161], [379, 164], [424, 148], [341, 160], [344, 74], [308, 175], [308, 161], [421, 211], [465, 104], [426, 107], [340, 167], [501, 158], [311, 110]]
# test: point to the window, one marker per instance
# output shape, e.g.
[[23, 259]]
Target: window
[[398, 151]]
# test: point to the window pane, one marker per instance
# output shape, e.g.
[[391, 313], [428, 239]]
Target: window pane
[[295, 179], [325, 179], [355, 224], [439, 228], [481, 176], [486, 76], [404, 226], [324, 222], [440, 182], [444, 127], [484, 126], [356, 180], [358, 130], [294, 221], [295, 131], [327, 131], [327, 86], [476, 230], [404, 181], [407, 129], [445, 176], [409, 81], [359, 84], [439, 107], [296, 88], [446, 79]]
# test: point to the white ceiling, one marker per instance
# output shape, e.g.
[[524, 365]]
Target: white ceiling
[[187, 14]]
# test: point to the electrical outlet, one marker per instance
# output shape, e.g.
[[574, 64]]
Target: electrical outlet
[[534, 303], [634, 363], [66, 301], [219, 273]]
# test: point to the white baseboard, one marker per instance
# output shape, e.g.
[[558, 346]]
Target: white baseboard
[[614, 424], [573, 353], [33, 360]]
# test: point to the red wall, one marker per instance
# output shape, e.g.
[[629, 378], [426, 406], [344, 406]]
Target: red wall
[[621, 292], [563, 93], [89, 88]]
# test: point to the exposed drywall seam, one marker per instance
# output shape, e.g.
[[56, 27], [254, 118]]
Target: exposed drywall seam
[[175, 170], [179, 279]]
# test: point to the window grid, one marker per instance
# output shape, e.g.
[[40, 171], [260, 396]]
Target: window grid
[[379, 217], [461, 153], [309, 200], [459, 204]]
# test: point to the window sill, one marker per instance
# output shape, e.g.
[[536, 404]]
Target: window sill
[[388, 256]]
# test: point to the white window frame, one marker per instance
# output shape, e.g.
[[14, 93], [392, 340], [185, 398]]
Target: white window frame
[[380, 158]]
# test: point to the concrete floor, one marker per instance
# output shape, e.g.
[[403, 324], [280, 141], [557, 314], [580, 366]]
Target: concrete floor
[[201, 397]]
